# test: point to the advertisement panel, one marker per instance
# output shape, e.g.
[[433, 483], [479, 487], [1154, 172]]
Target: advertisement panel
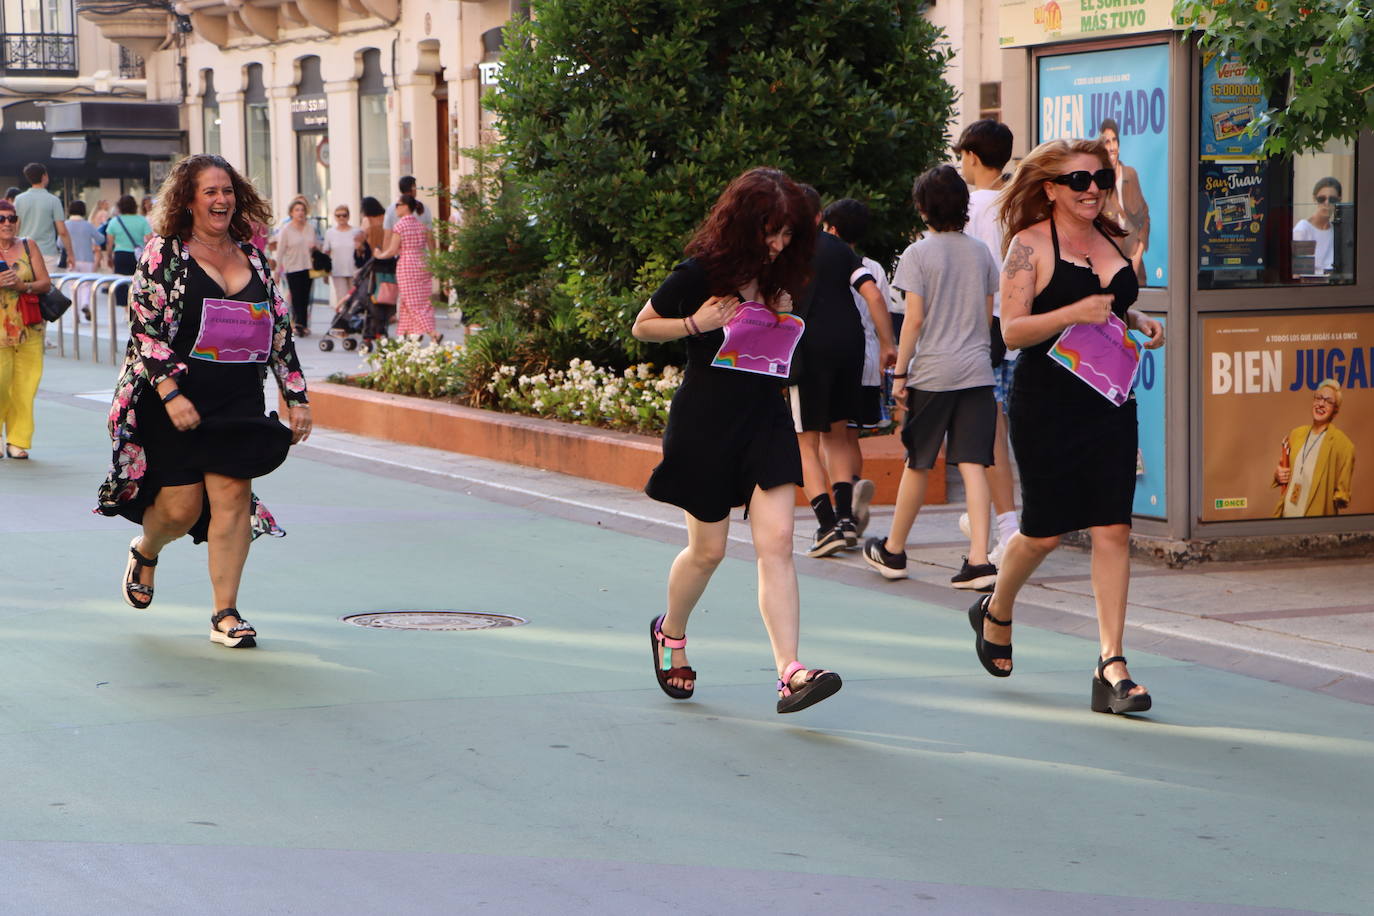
[[1034, 22], [1287, 416], [1231, 101], [1128, 87], [1233, 206], [1151, 477]]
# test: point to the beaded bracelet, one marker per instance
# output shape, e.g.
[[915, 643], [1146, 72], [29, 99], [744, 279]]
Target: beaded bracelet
[[693, 329]]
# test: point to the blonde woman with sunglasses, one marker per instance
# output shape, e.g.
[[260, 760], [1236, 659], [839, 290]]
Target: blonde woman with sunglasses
[[1076, 449]]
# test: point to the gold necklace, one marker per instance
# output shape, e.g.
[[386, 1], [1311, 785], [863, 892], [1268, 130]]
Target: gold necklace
[[217, 249]]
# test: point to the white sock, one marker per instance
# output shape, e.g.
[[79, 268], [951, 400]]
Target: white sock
[[1007, 525]]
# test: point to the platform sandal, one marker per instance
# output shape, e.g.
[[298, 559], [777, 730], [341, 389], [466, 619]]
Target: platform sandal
[[136, 594], [1117, 698], [988, 652], [662, 647], [241, 636], [818, 685]]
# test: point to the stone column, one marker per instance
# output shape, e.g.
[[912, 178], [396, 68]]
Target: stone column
[[232, 140], [344, 167], [416, 92], [284, 178]]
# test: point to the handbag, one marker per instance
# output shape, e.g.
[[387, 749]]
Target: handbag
[[387, 293], [320, 261], [53, 304], [29, 310]]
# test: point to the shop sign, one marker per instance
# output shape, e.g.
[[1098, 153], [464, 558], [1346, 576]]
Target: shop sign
[[1151, 477], [1078, 92], [310, 112], [1038, 22], [1261, 378]]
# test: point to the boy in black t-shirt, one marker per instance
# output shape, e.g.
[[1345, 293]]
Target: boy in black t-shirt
[[828, 394]]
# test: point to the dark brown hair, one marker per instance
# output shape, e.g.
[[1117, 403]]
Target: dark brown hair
[[731, 245], [942, 198], [172, 215]]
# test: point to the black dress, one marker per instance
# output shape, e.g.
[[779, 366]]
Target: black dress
[[234, 437], [728, 431], [1075, 449]]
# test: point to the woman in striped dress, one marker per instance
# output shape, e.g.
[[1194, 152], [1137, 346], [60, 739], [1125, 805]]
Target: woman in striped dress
[[409, 241]]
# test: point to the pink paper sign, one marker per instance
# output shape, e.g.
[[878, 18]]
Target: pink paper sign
[[759, 340], [234, 332], [1103, 356]]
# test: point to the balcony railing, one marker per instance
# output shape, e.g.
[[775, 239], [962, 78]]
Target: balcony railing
[[130, 65], [38, 55]]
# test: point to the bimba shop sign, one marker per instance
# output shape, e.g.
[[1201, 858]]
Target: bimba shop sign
[[1287, 411]]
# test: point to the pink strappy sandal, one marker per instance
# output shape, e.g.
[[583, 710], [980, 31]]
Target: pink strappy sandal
[[819, 684], [662, 647]]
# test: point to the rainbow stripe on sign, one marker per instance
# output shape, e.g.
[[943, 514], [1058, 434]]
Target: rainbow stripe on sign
[[1103, 356]]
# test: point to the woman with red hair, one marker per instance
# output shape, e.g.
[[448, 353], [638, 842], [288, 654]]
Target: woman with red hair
[[729, 440]]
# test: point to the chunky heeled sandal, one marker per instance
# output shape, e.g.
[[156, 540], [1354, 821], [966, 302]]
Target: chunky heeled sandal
[[662, 647], [238, 637], [1117, 698], [136, 594], [818, 685], [988, 652]]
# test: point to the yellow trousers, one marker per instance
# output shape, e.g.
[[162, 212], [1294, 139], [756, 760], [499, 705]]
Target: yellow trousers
[[21, 368]]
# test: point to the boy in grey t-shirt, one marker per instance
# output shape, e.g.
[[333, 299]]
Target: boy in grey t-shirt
[[943, 361]]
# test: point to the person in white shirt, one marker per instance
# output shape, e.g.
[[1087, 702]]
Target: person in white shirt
[[407, 189], [339, 243], [1317, 227], [984, 149]]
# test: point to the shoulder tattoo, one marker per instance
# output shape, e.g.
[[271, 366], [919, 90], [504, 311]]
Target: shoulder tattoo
[[1018, 258]]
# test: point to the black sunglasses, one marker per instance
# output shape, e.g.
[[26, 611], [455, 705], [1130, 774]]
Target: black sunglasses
[[9, 218], [1079, 181]]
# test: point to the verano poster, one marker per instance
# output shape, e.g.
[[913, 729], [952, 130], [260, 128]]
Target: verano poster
[[1288, 416]]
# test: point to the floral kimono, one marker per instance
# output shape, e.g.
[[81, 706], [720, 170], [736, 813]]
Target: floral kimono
[[155, 308]]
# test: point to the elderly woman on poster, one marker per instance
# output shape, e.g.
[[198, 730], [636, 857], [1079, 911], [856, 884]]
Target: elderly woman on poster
[[1316, 461]]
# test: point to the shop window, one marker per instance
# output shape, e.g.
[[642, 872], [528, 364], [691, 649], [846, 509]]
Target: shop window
[[37, 37], [1267, 222], [257, 132], [374, 150], [310, 120], [990, 101]]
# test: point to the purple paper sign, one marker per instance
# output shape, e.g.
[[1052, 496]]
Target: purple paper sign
[[234, 332], [1103, 356], [759, 340]]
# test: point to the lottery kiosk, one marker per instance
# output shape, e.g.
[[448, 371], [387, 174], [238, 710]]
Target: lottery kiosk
[[1257, 417]]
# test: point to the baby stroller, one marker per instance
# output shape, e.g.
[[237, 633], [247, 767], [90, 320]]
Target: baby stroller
[[351, 320]]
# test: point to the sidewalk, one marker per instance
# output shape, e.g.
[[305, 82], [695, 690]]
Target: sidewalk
[[538, 769]]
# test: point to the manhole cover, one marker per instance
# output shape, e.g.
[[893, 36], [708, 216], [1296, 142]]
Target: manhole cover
[[433, 620]]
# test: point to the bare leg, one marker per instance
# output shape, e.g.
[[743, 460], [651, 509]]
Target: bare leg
[[687, 580], [840, 465], [911, 495], [1023, 557], [170, 516], [856, 455], [771, 523], [229, 539], [976, 490], [814, 480], [999, 475], [1111, 573]]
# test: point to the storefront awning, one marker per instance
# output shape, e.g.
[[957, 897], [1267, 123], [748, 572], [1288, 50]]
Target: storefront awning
[[83, 130]]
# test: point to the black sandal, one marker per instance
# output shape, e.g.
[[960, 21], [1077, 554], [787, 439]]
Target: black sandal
[[132, 586], [662, 647], [819, 685], [1117, 698], [234, 639], [988, 652]]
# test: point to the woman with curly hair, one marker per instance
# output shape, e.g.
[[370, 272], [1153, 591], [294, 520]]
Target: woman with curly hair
[[188, 423], [1076, 450], [729, 440]]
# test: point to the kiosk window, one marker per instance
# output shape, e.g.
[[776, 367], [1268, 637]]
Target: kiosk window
[[1267, 222]]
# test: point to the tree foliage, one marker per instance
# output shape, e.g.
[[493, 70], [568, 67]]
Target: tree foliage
[[624, 119], [1318, 55]]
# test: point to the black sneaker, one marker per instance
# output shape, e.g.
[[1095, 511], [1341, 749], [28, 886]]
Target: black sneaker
[[849, 533], [889, 565], [828, 541], [979, 578]]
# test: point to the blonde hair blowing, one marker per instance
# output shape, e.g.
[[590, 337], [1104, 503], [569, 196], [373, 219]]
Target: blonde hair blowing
[[1023, 201]]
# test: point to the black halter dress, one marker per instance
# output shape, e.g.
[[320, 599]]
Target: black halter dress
[[1076, 451]]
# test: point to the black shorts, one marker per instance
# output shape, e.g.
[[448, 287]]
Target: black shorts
[[870, 408], [824, 397], [967, 416]]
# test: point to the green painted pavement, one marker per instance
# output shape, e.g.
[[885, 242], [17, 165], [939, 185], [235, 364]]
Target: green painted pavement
[[552, 742]]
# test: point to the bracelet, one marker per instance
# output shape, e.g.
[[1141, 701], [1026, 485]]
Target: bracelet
[[691, 323], [902, 375], [174, 393]]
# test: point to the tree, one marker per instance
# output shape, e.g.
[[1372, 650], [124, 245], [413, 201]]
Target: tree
[[625, 119], [1317, 55]]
